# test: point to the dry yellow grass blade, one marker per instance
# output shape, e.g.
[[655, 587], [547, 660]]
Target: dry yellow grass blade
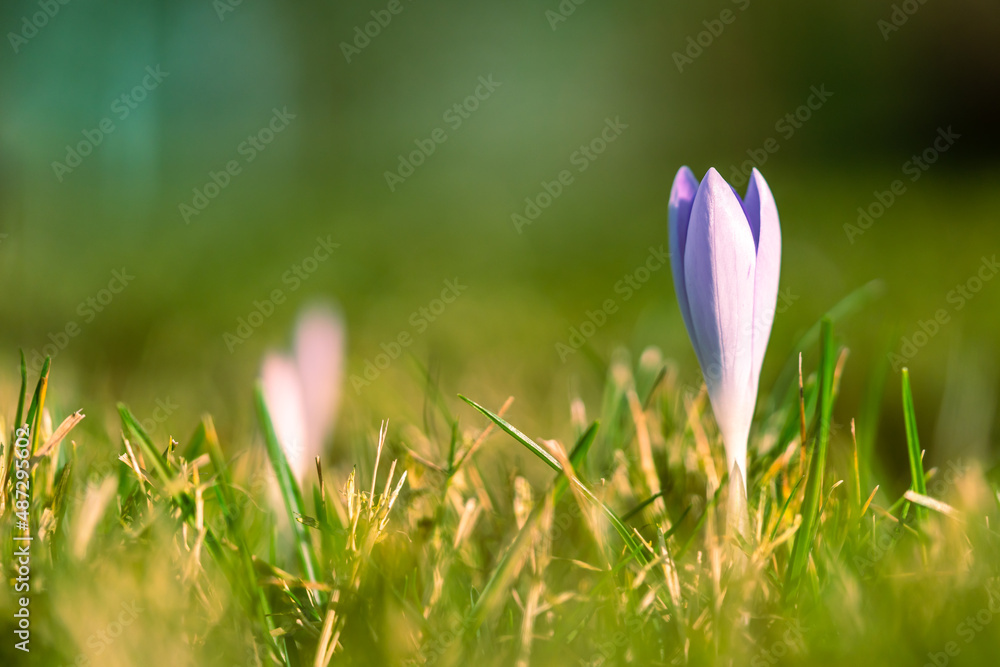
[[693, 408], [864, 508], [646, 462], [57, 436], [934, 504], [91, 510]]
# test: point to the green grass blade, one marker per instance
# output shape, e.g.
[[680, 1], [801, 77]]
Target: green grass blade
[[869, 415], [452, 446], [197, 442], [206, 435], [787, 383], [512, 431], [784, 508], [913, 442], [502, 575], [709, 507], [677, 523], [433, 394], [165, 472], [541, 453], [7, 458], [61, 499], [791, 427], [643, 505], [615, 412], [646, 387], [34, 418], [140, 437], [806, 534], [582, 446], [24, 391], [288, 486]]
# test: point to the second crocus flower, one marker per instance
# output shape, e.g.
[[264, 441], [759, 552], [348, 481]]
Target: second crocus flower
[[302, 391]]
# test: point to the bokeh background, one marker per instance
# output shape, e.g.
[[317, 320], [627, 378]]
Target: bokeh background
[[230, 65]]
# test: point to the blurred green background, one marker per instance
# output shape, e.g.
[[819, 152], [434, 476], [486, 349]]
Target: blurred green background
[[228, 66]]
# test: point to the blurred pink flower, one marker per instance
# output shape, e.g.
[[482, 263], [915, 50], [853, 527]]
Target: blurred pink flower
[[302, 390]]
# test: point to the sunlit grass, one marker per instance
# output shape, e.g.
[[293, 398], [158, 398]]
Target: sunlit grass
[[455, 549]]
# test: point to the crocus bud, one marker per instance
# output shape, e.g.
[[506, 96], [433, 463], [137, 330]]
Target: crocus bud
[[302, 391], [725, 256]]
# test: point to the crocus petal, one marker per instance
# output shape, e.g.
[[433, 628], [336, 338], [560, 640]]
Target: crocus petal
[[319, 359], [283, 397], [762, 214], [681, 199], [719, 260]]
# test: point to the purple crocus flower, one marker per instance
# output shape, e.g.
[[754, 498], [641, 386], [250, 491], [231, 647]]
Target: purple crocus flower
[[726, 257]]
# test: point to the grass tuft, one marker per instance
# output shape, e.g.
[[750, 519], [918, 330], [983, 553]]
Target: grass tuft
[[443, 545]]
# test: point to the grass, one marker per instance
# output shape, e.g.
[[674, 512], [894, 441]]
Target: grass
[[457, 549]]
